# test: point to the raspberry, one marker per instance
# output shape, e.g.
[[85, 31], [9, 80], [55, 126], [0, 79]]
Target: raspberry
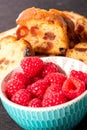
[[56, 78], [85, 78], [36, 102], [38, 88], [73, 87], [21, 97], [36, 78], [53, 96], [31, 66], [19, 76], [12, 86], [80, 75], [49, 67], [53, 88], [29, 88]]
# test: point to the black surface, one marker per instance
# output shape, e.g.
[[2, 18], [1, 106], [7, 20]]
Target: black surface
[[9, 10]]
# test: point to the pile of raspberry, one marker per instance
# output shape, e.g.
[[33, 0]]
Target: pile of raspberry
[[44, 84]]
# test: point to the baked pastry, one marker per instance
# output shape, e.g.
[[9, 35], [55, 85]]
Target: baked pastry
[[81, 29], [46, 32], [73, 15], [11, 53], [78, 52], [73, 39], [80, 23]]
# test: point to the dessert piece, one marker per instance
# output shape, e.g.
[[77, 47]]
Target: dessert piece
[[46, 31], [12, 51], [78, 52], [73, 39], [80, 23]]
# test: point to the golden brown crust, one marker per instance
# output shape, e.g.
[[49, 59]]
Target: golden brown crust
[[31, 13], [80, 23], [73, 15], [73, 39], [47, 32], [38, 14], [81, 29]]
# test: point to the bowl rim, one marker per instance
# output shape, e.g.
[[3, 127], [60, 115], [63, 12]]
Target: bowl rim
[[17, 106], [64, 105]]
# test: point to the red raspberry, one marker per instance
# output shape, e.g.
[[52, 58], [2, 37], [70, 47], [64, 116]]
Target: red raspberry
[[73, 87], [12, 86], [80, 75], [19, 76], [56, 78], [36, 102], [29, 89], [50, 67], [53, 96], [85, 78], [31, 66], [36, 78], [38, 88], [21, 97], [53, 88]]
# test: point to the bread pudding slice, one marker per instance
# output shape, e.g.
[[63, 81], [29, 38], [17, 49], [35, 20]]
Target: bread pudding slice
[[78, 52], [80, 23], [11, 53], [46, 32], [73, 39]]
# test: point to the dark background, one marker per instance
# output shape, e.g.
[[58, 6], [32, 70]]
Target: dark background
[[9, 11]]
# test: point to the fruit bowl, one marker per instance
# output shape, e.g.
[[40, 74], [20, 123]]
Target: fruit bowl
[[59, 117]]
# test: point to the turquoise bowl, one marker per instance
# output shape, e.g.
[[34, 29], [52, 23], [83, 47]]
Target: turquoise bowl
[[61, 117]]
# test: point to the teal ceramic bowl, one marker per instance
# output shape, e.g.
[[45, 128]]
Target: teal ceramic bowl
[[60, 117]]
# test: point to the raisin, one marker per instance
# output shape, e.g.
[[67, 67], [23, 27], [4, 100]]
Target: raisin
[[63, 51], [22, 32], [49, 35], [27, 51], [34, 30], [79, 28]]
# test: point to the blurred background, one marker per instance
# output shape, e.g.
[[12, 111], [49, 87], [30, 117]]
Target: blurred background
[[10, 9]]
